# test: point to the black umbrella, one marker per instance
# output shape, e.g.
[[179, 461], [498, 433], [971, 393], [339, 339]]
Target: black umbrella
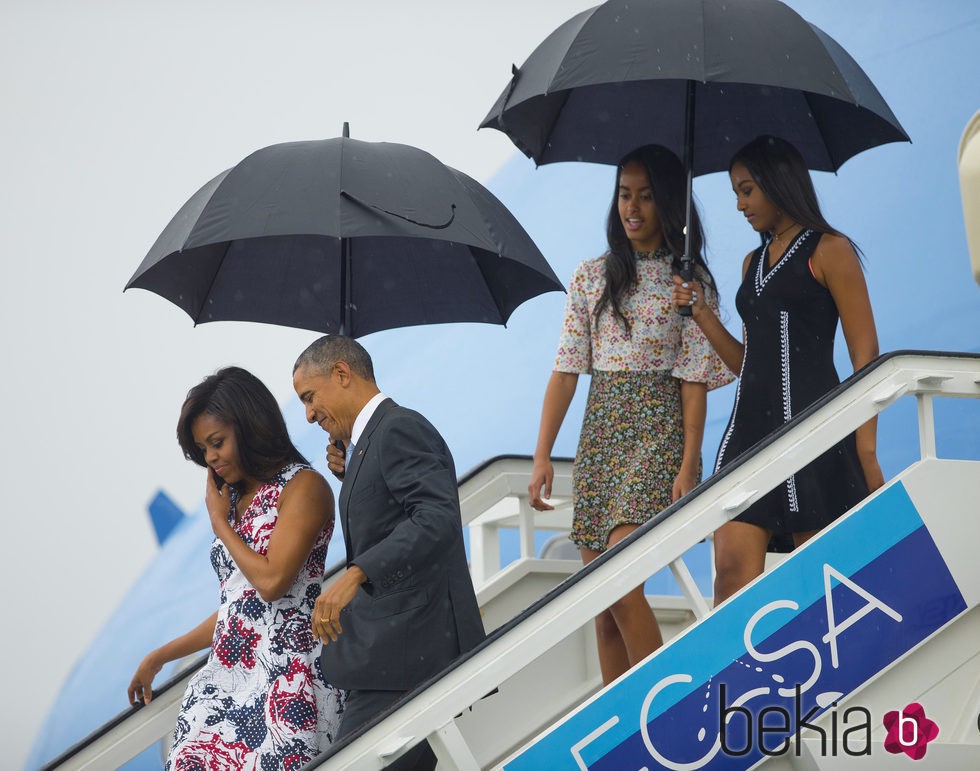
[[702, 77], [345, 236]]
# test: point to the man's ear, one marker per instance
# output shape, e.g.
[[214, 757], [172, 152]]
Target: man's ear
[[342, 368]]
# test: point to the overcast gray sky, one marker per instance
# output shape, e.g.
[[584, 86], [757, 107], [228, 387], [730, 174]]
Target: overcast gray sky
[[114, 113]]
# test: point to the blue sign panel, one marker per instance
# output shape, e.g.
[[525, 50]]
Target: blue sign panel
[[740, 685]]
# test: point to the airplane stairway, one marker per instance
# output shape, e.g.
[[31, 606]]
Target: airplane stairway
[[876, 614]]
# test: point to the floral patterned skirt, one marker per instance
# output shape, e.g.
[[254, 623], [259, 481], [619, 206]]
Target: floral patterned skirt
[[629, 453]]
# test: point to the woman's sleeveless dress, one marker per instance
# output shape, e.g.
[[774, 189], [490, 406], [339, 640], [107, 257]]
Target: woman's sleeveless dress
[[790, 320], [260, 701]]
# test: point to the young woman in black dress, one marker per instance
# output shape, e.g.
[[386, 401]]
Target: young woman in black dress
[[795, 287]]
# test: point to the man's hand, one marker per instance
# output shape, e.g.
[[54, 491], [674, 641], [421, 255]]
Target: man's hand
[[325, 618], [336, 460]]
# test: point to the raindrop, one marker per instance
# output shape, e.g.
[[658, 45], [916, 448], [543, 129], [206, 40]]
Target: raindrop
[[758, 669], [701, 735], [778, 678], [824, 700], [704, 708]]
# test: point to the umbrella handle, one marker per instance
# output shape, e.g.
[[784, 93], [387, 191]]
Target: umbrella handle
[[687, 261], [687, 274]]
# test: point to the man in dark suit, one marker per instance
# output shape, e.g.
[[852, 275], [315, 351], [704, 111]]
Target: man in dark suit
[[405, 606]]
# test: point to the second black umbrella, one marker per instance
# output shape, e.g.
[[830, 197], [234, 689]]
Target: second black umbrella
[[701, 77]]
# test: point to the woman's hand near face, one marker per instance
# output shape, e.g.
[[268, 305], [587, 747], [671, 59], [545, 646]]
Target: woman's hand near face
[[218, 503]]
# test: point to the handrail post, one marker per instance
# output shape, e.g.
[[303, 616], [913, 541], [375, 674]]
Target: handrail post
[[484, 552], [689, 587], [526, 516], [927, 426], [451, 749]]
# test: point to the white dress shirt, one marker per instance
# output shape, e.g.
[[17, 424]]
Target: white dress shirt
[[361, 421]]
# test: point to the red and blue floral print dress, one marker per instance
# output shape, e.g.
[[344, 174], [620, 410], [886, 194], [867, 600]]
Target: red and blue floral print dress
[[260, 702]]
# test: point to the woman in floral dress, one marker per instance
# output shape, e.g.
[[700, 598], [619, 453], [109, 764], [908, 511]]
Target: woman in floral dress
[[640, 444], [260, 701]]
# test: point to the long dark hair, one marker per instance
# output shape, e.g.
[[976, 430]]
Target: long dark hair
[[779, 170], [668, 183], [241, 400]]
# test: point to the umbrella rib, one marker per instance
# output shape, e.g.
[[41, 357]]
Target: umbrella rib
[[214, 277], [493, 297], [817, 122], [551, 129]]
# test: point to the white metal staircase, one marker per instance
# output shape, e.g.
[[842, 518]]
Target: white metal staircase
[[537, 671]]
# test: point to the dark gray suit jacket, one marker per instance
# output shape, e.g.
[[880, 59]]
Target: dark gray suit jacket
[[399, 509]]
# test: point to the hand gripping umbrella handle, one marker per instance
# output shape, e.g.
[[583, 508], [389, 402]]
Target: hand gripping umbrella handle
[[686, 274]]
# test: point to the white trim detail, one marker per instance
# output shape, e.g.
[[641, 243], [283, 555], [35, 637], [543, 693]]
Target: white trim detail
[[794, 504], [738, 391], [760, 280]]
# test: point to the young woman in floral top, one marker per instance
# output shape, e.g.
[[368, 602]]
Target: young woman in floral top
[[260, 700], [640, 444]]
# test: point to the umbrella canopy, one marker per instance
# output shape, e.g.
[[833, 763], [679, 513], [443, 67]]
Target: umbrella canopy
[[617, 76], [340, 235]]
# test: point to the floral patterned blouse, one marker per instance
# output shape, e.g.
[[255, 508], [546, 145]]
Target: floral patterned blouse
[[661, 338]]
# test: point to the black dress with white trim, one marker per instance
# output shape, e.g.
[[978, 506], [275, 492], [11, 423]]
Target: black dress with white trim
[[789, 320]]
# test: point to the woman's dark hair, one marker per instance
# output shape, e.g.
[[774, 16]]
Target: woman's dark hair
[[668, 183], [241, 400], [780, 172]]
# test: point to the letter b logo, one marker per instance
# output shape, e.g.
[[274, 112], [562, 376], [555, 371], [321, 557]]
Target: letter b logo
[[908, 731]]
